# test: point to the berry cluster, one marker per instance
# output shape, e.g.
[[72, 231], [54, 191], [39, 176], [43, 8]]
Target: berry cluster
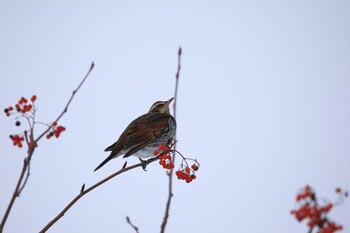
[[55, 130], [187, 173], [8, 111], [25, 108], [22, 106], [17, 140], [164, 158], [316, 215]]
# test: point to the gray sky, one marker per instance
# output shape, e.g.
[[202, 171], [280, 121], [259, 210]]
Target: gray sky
[[263, 105]]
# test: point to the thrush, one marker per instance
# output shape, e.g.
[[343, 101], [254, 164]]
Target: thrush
[[144, 134]]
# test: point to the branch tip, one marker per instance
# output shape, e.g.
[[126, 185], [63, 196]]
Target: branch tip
[[132, 225], [124, 166]]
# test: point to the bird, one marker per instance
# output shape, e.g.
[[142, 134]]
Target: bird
[[144, 134]]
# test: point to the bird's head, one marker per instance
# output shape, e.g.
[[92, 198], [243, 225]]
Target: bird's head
[[161, 106]]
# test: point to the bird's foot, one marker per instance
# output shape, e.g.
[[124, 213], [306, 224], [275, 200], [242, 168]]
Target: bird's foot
[[144, 164]]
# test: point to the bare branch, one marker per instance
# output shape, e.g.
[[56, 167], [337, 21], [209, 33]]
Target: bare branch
[[15, 193], [171, 172], [69, 101], [132, 225], [81, 194]]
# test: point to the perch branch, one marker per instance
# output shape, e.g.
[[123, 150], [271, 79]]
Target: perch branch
[[83, 192]]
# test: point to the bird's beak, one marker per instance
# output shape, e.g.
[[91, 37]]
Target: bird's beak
[[169, 101]]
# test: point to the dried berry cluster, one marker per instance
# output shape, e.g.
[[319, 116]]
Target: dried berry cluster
[[314, 213], [185, 172]]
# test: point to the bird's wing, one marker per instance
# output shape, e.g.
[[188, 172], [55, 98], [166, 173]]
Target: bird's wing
[[148, 128]]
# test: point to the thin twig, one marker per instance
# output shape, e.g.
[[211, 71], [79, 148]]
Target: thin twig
[[170, 173], [31, 149], [81, 194], [25, 181], [26, 137], [132, 225]]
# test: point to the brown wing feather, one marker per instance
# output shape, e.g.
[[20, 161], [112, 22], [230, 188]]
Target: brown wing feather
[[148, 129]]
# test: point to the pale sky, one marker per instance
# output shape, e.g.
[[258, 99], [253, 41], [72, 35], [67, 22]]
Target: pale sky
[[264, 99]]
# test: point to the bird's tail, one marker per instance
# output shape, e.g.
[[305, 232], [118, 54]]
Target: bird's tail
[[111, 156]]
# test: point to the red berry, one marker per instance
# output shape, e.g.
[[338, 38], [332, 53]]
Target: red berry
[[187, 170], [163, 148], [194, 167], [188, 179], [60, 128], [56, 133], [33, 98], [155, 152], [48, 136], [10, 108]]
